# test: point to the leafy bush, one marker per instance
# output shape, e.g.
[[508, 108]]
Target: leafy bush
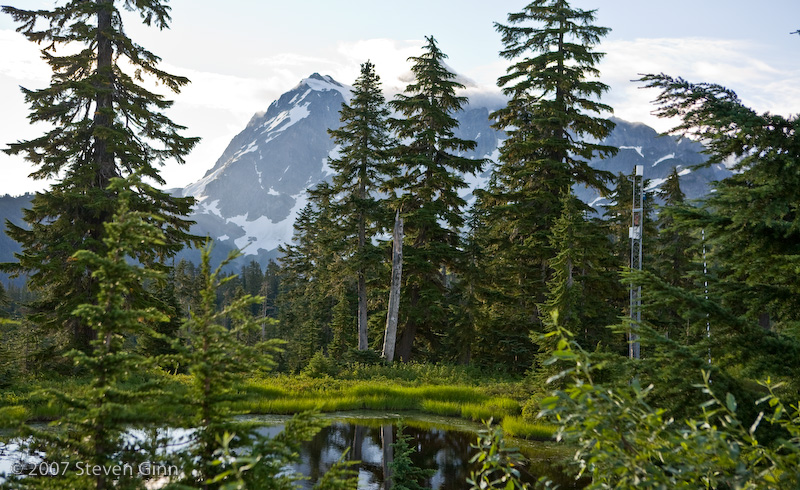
[[320, 366], [624, 442]]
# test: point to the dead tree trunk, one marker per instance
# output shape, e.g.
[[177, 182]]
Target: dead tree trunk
[[390, 336]]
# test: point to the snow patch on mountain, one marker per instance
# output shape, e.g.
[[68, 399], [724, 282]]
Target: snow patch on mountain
[[664, 158], [209, 208], [638, 149], [655, 183], [263, 233], [334, 154], [286, 119], [325, 82]]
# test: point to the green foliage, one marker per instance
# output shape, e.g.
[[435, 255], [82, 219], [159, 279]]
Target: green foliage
[[320, 365], [103, 124], [340, 476], [751, 218], [498, 463], [91, 424], [623, 441], [428, 196], [333, 259], [310, 284], [581, 268], [526, 429], [551, 122], [360, 172], [217, 362], [404, 474], [10, 358], [676, 261]]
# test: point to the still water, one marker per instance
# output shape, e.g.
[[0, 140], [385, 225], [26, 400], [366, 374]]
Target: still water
[[441, 444]]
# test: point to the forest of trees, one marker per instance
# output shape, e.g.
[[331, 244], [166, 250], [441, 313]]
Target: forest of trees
[[526, 271]]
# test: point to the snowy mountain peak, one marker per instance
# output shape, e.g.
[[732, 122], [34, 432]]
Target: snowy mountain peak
[[253, 193], [322, 83]]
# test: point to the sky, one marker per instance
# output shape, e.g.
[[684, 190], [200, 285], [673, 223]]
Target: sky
[[242, 54]]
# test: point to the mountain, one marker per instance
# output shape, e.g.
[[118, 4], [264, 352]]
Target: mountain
[[640, 144], [11, 209], [254, 191], [252, 194]]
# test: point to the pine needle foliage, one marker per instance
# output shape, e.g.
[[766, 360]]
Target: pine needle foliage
[[427, 190], [217, 362], [91, 430], [360, 172], [752, 219], [104, 124], [552, 121]]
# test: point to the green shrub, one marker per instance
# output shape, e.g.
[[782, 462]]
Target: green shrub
[[623, 441], [320, 366]]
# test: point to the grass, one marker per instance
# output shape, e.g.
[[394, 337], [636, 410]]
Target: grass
[[439, 390], [522, 428], [291, 394]]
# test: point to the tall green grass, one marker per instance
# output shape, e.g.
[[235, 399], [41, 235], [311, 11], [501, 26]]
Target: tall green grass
[[452, 392], [520, 427]]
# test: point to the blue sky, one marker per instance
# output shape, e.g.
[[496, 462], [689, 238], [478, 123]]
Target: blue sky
[[242, 54]]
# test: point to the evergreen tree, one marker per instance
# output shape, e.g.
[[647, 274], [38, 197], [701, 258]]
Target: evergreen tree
[[217, 361], [431, 176], [551, 122], [583, 283], [674, 262], [751, 220], [311, 283], [105, 124], [91, 429], [251, 278], [360, 172], [4, 302]]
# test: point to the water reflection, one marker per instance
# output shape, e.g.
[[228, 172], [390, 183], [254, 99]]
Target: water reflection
[[438, 443], [446, 451]]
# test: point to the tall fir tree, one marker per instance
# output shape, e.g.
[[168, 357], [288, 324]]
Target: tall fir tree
[[361, 170], [427, 190], [675, 261], [91, 430], [552, 122], [105, 124], [752, 219]]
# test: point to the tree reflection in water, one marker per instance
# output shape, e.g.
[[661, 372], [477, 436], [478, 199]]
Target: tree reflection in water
[[446, 451]]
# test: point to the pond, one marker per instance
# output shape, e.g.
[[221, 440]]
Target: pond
[[442, 444]]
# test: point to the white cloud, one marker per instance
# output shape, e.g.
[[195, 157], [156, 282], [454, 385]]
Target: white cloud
[[219, 102], [737, 65]]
